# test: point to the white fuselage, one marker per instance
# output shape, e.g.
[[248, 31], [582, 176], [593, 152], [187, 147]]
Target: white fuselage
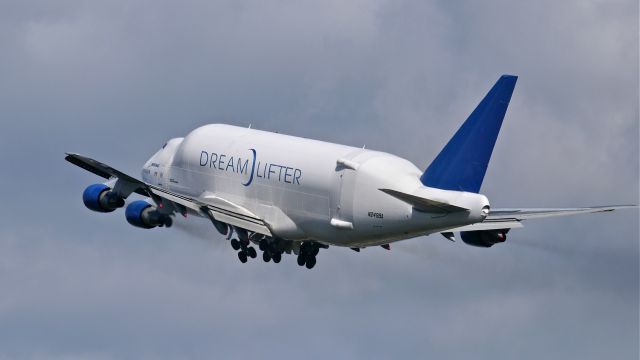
[[306, 189]]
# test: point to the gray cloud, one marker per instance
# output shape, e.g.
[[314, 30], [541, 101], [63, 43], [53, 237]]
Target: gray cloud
[[116, 79]]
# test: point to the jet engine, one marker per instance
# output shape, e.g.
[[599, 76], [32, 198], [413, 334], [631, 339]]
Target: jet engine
[[484, 238], [144, 215], [100, 198]]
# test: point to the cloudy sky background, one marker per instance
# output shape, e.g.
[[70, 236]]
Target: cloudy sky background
[[116, 79]]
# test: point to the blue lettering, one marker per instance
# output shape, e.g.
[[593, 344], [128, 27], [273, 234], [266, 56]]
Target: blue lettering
[[280, 173], [296, 176], [213, 160], [287, 174], [270, 171], [239, 165], [253, 167], [206, 158], [258, 171], [242, 169], [229, 165]]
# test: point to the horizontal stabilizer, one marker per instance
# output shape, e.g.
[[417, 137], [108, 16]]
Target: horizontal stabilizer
[[424, 204]]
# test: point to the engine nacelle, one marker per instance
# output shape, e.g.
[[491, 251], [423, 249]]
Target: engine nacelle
[[484, 238], [100, 198], [144, 215]]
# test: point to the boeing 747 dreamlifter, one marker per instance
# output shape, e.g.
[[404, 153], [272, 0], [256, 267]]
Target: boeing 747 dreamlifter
[[288, 194]]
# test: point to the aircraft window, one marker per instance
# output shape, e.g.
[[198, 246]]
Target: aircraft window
[[164, 146]]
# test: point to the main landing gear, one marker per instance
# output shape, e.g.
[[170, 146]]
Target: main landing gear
[[307, 254], [244, 250], [270, 251], [272, 248]]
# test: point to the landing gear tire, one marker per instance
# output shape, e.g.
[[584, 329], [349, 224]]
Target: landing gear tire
[[262, 245], [266, 256], [168, 222], [311, 262], [251, 251], [301, 260], [235, 244], [315, 250], [242, 255], [277, 257]]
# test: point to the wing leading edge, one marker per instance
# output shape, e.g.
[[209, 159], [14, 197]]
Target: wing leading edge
[[525, 214], [210, 206]]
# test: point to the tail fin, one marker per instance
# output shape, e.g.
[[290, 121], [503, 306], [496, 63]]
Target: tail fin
[[462, 163]]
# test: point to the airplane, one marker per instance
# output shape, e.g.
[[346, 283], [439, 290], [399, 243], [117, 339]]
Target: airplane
[[293, 195]]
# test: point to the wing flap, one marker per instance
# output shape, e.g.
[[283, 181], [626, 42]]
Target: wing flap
[[220, 209], [234, 214], [257, 226], [185, 201]]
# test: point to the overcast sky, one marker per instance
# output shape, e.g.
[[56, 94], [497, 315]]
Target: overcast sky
[[115, 79]]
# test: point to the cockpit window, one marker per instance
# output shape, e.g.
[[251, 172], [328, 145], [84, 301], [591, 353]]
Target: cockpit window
[[165, 145]]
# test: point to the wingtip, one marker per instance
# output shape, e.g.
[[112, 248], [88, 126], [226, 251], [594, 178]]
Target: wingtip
[[611, 208]]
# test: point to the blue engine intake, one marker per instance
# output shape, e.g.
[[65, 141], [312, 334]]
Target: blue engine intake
[[144, 215], [100, 198]]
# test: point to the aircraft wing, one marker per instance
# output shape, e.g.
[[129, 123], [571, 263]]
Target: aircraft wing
[[512, 218], [525, 214], [214, 207], [104, 170]]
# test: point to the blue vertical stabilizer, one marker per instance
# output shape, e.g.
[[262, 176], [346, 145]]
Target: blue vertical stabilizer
[[462, 163]]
